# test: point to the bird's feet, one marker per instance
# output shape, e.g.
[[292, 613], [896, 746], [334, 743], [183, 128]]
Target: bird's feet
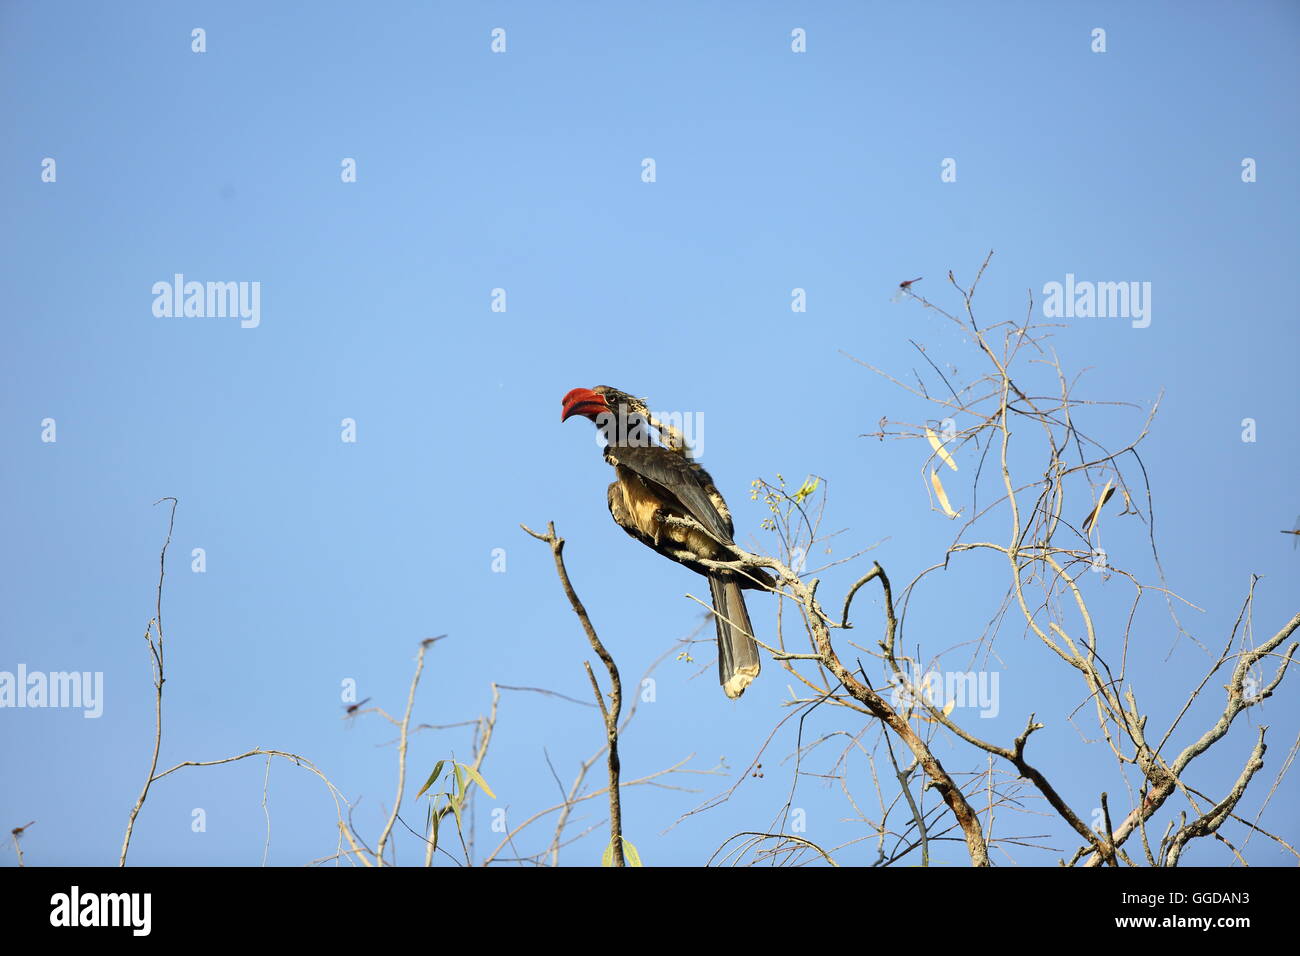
[[667, 520]]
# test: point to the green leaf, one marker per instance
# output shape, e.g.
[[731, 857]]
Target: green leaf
[[630, 853], [437, 770], [478, 778], [807, 488], [455, 806], [461, 785]]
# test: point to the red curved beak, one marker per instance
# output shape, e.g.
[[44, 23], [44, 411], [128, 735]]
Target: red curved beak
[[582, 401]]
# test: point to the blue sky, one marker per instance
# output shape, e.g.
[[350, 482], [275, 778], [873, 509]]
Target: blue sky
[[329, 561]]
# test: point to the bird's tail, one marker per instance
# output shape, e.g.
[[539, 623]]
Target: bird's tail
[[738, 660]]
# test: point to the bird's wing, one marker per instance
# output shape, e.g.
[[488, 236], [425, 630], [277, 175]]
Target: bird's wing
[[680, 480]]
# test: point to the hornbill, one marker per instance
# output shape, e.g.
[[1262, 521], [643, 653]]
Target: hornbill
[[667, 501]]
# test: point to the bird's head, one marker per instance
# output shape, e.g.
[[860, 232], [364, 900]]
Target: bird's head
[[601, 400], [587, 402]]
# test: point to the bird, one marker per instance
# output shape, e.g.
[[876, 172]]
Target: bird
[[668, 502]]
